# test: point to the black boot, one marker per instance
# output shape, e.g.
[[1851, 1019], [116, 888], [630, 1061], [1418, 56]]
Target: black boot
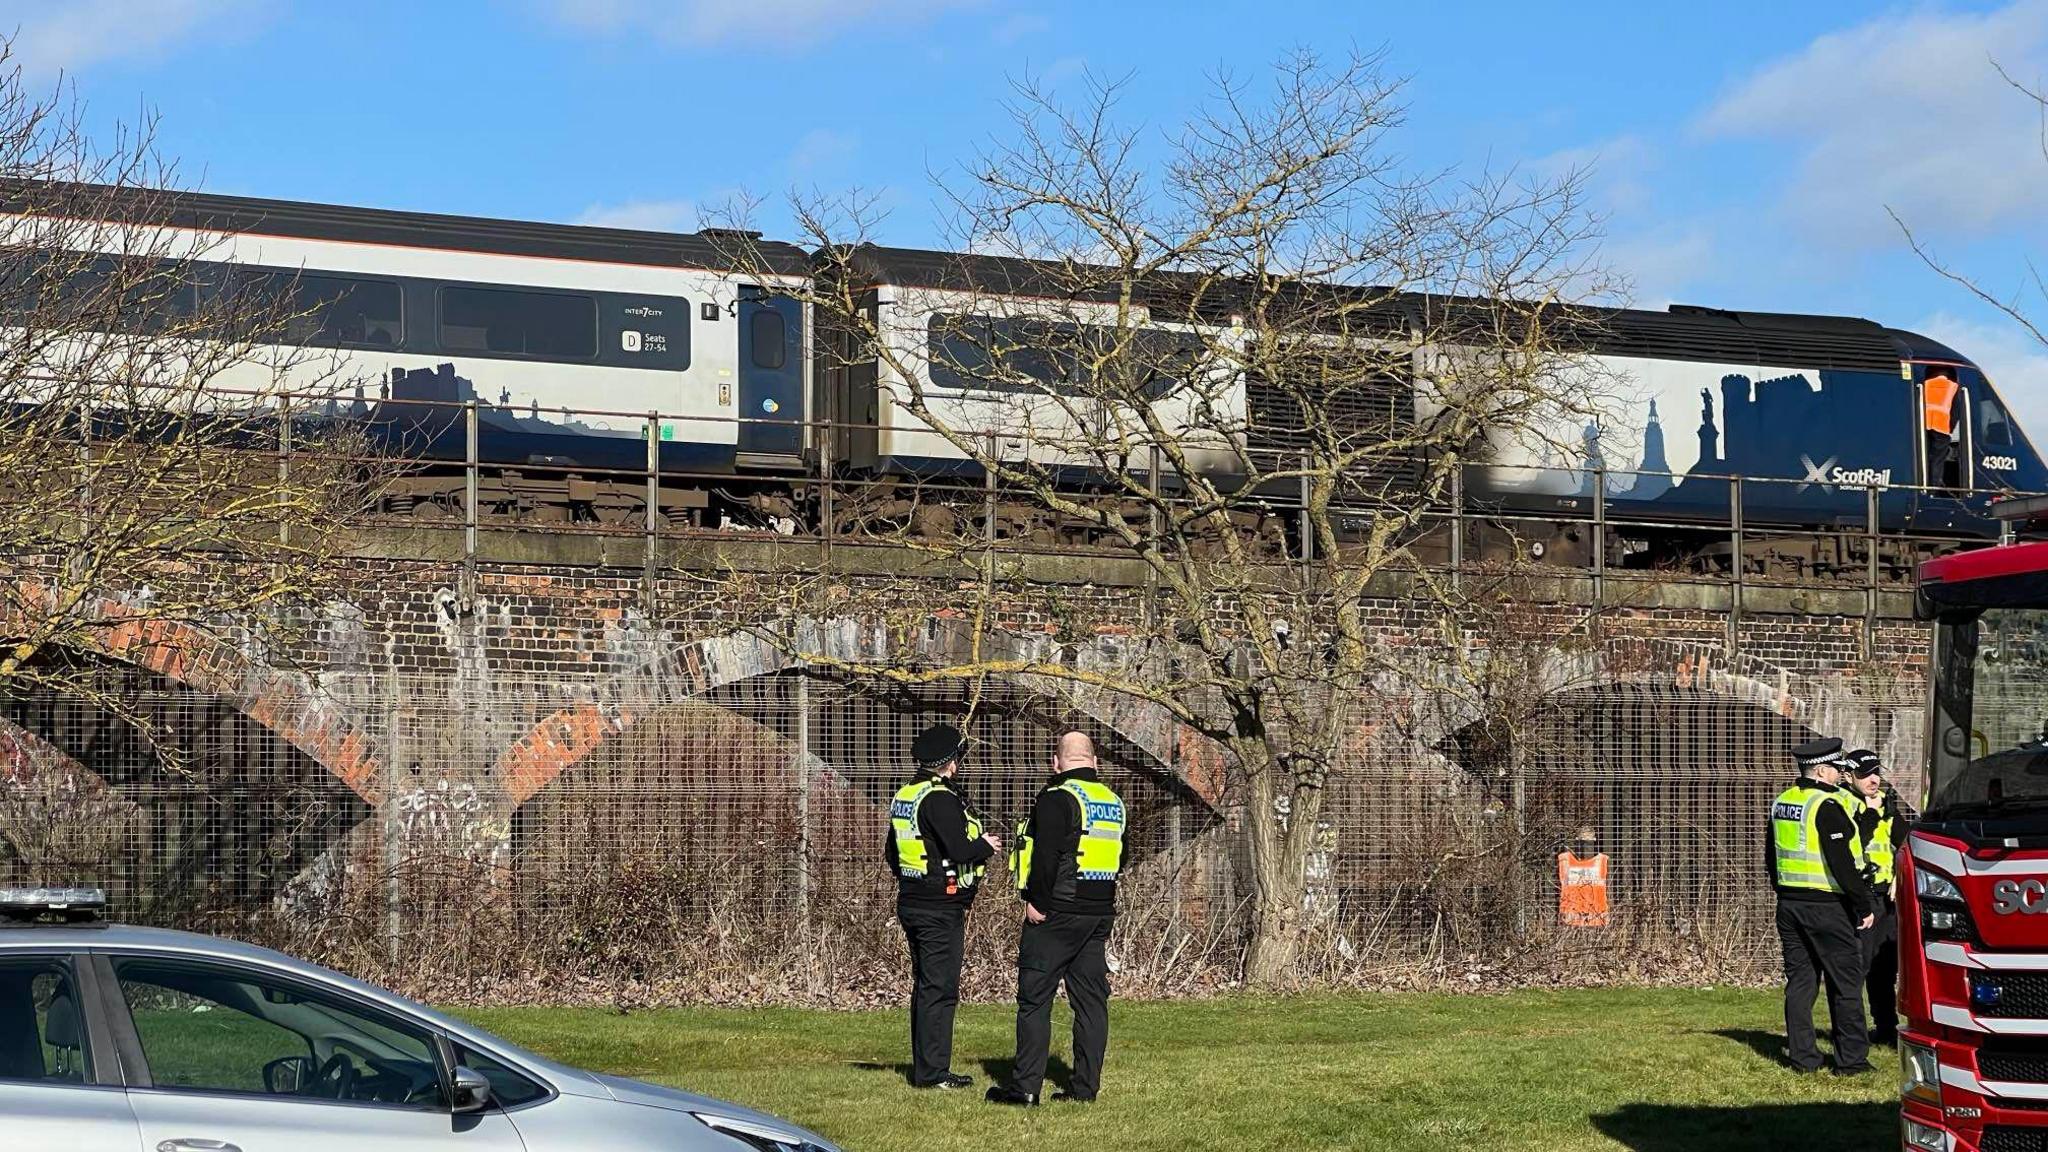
[[1002, 1095]]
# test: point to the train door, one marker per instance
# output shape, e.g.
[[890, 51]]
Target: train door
[[771, 379], [1947, 466]]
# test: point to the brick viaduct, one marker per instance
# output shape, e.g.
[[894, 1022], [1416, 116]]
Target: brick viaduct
[[539, 649]]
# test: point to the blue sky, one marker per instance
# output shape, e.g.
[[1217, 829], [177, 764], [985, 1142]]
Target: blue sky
[[1744, 153]]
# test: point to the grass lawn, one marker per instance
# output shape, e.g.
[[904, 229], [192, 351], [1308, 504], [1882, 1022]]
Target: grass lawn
[[1656, 1071]]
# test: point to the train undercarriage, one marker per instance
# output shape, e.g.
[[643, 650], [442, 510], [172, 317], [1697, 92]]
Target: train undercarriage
[[962, 512]]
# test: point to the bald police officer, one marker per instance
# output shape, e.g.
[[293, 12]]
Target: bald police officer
[[1815, 859], [1067, 858], [937, 851]]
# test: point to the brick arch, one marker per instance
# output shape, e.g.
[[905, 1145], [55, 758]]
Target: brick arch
[[569, 735], [1825, 702], [284, 703]]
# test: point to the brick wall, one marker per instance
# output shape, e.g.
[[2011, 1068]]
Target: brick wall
[[537, 771]]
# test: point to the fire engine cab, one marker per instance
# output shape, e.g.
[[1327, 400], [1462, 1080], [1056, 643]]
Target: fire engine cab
[[1972, 887]]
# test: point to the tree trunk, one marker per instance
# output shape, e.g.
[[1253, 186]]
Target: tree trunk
[[1276, 932]]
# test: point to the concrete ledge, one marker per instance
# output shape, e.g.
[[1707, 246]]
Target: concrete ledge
[[768, 554]]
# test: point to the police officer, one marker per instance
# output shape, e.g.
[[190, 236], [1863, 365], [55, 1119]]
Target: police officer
[[1816, 864], [1066, 858], [1881, 824], [937, 851]]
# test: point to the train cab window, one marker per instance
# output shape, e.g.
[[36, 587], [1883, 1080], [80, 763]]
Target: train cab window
[[767, 336], [1994, 427], [508, 322]]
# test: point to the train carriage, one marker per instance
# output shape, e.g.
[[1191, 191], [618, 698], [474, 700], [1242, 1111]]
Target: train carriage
[[579, 353]]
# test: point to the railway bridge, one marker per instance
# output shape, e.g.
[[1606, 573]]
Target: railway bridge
[[497, 729]]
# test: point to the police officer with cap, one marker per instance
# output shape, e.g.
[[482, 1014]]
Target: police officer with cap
[[937, 851], [1815, 859], [1881, 821]]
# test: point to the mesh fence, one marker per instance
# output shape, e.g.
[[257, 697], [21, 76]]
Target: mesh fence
[[729, 847]]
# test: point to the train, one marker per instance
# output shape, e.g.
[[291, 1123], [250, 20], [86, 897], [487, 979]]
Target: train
[[593, 357]]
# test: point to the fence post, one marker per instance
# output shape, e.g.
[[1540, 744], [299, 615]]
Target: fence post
[[469, 480], [651, 541], [284, 466], [1457, 523], [1870, 525], [988, 491], [393, 895], [1308, 540], [803, 815], [1735, 565], [1153, 527], [1599, 540]]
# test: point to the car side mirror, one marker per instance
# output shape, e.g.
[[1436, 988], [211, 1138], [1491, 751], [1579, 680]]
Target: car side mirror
[[1954, 742], [469, 1091], [289, 1076]]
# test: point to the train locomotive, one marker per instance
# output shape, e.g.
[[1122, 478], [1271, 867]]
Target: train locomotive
[[592, 356]]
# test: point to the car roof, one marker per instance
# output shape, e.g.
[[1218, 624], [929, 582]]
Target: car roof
[[97, 934]]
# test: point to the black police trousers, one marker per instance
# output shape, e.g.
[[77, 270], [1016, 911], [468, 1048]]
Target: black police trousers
[[1881, 974], [938, 939], [1072, 949], [1819, 939]]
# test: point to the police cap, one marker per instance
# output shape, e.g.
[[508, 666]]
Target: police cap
[[1863, 762], [1815, 753], [936, 746]]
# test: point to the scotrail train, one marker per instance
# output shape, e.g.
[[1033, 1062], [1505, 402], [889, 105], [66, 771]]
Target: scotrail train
[[568, 337]]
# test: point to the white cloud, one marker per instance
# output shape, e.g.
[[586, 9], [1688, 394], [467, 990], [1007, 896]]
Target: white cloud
[[1907, 111], [2016, 363], [702, 23], [645, 215], [68, 35], [1020, 26], [1660, 263], [821, 148], [1616, 172]]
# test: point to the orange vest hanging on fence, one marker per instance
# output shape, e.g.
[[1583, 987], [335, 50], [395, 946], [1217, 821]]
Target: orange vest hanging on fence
[[1940, 397], [1582, 891]]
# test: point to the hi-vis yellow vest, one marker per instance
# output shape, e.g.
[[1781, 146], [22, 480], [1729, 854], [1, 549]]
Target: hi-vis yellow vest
[[914, 858], [1795, 837], [1881, 849], [1100, 854]]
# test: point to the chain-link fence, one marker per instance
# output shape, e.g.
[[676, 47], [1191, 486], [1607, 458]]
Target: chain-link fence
[[729, 847]]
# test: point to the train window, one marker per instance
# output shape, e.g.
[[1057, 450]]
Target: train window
[[1157, 361], [768, 335], [989, 354], [509, 322], [345, 310], [1994, 428], [109, 293]]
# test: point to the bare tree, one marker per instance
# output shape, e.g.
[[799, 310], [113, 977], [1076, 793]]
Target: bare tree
[[2021, 305], [168, 474], [1251, 354]]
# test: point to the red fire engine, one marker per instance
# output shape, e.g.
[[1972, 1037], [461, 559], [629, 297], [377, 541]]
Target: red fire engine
[[1973, 885]]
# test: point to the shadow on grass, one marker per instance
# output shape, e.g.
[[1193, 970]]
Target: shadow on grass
[[1057, 1073], [1769, 1045], [1759, 1128]]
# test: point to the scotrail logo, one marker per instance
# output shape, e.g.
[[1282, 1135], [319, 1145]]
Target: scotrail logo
[[1828, 476]]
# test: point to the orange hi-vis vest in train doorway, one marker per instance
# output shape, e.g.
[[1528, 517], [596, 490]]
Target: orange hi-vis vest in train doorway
[[1582, 891], [1939, 394]]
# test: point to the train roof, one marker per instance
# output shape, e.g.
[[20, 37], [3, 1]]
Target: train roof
[[1681, 332], [712, 249]]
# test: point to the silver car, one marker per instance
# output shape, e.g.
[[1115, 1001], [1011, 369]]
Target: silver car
[[120, 1039]]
